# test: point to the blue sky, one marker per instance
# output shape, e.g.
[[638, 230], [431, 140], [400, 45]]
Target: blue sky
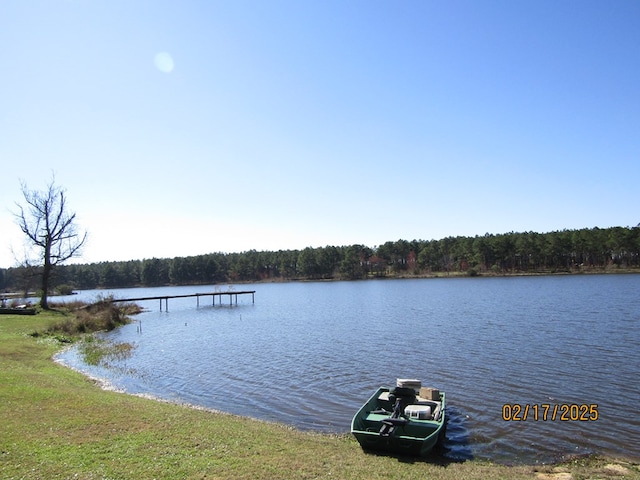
[[182, 128]]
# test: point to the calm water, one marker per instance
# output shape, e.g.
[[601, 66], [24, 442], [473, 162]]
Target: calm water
[[309, 354]]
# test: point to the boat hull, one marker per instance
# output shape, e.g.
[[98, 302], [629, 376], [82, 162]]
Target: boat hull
[[17, 311], [415, 437]]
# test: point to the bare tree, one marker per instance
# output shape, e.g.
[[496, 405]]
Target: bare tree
[[50, 229]]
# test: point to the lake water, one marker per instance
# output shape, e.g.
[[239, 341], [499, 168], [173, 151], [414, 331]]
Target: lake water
[[309, 354]]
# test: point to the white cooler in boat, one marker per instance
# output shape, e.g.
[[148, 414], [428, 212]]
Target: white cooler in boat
[[418, 412]]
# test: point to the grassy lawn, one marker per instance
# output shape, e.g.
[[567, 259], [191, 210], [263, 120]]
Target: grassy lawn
[[55, 423]]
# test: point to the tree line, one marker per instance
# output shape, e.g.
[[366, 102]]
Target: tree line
[[510, 253]]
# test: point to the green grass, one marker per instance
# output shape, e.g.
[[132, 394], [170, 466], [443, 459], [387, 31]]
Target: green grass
[[55, 423]]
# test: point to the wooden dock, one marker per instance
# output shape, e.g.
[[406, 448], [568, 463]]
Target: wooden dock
[[230, 294]]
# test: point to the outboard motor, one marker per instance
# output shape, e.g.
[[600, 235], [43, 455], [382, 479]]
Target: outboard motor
[[401, 397]]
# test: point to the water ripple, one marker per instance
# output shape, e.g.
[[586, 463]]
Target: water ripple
[[309, 354]]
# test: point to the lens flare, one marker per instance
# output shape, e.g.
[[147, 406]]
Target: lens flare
[[164, 62]]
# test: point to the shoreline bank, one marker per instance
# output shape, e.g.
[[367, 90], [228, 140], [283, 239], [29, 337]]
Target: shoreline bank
[[58, 424], [426, 276]]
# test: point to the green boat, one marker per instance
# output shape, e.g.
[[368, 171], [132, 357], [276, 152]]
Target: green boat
[[405, 419]]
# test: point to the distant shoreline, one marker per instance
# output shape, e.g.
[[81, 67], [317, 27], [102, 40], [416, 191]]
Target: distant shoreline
[[399, 276], [405, 276]]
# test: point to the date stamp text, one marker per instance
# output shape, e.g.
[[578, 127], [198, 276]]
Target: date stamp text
[[564, 412]]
